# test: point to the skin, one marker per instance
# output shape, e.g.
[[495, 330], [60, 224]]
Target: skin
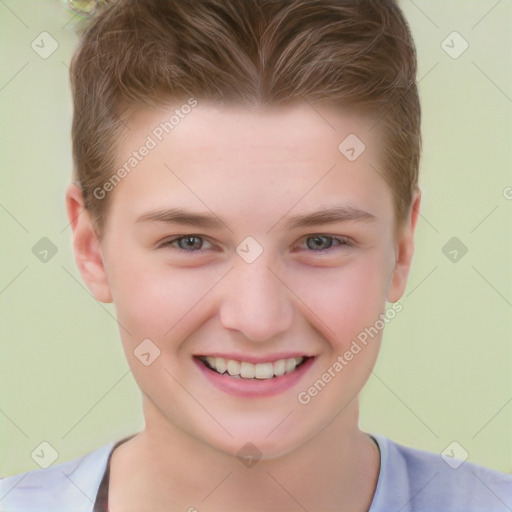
[[254, 169]]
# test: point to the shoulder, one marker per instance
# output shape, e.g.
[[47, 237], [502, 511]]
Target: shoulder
[[72, 485], [419, 481]]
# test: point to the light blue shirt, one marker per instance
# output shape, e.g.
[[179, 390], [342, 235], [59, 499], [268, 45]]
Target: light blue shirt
[[410, 480]]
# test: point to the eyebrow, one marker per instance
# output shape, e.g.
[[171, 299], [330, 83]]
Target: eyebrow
[[182, 216], [329, 216], [204, 220]]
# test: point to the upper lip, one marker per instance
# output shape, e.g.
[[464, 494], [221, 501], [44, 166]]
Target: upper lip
[[256, 359]]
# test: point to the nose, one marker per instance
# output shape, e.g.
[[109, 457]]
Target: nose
[[256, 302]]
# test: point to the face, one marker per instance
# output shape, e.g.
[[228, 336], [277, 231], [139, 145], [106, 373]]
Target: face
[[251, 254]]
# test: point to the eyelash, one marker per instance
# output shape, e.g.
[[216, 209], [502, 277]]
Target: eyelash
[[342, 242]]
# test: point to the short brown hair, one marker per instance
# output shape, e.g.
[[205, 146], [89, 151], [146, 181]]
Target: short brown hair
[[144, 52]]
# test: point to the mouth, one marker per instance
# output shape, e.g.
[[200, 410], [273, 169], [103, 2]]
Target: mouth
[[253, 371]]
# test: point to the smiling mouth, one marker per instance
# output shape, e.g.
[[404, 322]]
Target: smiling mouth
[[246, 370]]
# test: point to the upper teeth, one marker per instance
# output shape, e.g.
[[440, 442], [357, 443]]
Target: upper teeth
[[248, 370]]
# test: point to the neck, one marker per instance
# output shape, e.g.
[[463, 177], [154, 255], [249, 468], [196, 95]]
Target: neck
[[337, 469]]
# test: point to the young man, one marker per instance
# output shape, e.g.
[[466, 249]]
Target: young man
[[246, 195]]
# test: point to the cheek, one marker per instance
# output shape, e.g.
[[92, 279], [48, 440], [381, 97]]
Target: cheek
[[154, 301], [347, 299]]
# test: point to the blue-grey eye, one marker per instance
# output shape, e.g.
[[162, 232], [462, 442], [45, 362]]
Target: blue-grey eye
[[319, 242], [189, 243]]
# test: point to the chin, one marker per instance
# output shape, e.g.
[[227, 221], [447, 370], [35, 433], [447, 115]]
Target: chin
[[262, 440]]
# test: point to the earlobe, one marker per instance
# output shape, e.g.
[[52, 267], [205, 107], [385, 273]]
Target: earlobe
[[86, 246], [404, 252]]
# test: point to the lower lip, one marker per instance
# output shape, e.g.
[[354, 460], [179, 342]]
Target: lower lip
[[254, 388]]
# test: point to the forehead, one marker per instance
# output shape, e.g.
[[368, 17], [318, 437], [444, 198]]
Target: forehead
[[256, 134], [241, 160]]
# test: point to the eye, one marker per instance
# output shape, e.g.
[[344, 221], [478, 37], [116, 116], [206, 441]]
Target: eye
[[319, 243], [186, 243]]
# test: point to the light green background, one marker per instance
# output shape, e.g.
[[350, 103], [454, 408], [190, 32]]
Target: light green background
[[444, 372]]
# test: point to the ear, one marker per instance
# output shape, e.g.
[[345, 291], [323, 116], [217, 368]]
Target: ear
[[86, 245], [404, 251]]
